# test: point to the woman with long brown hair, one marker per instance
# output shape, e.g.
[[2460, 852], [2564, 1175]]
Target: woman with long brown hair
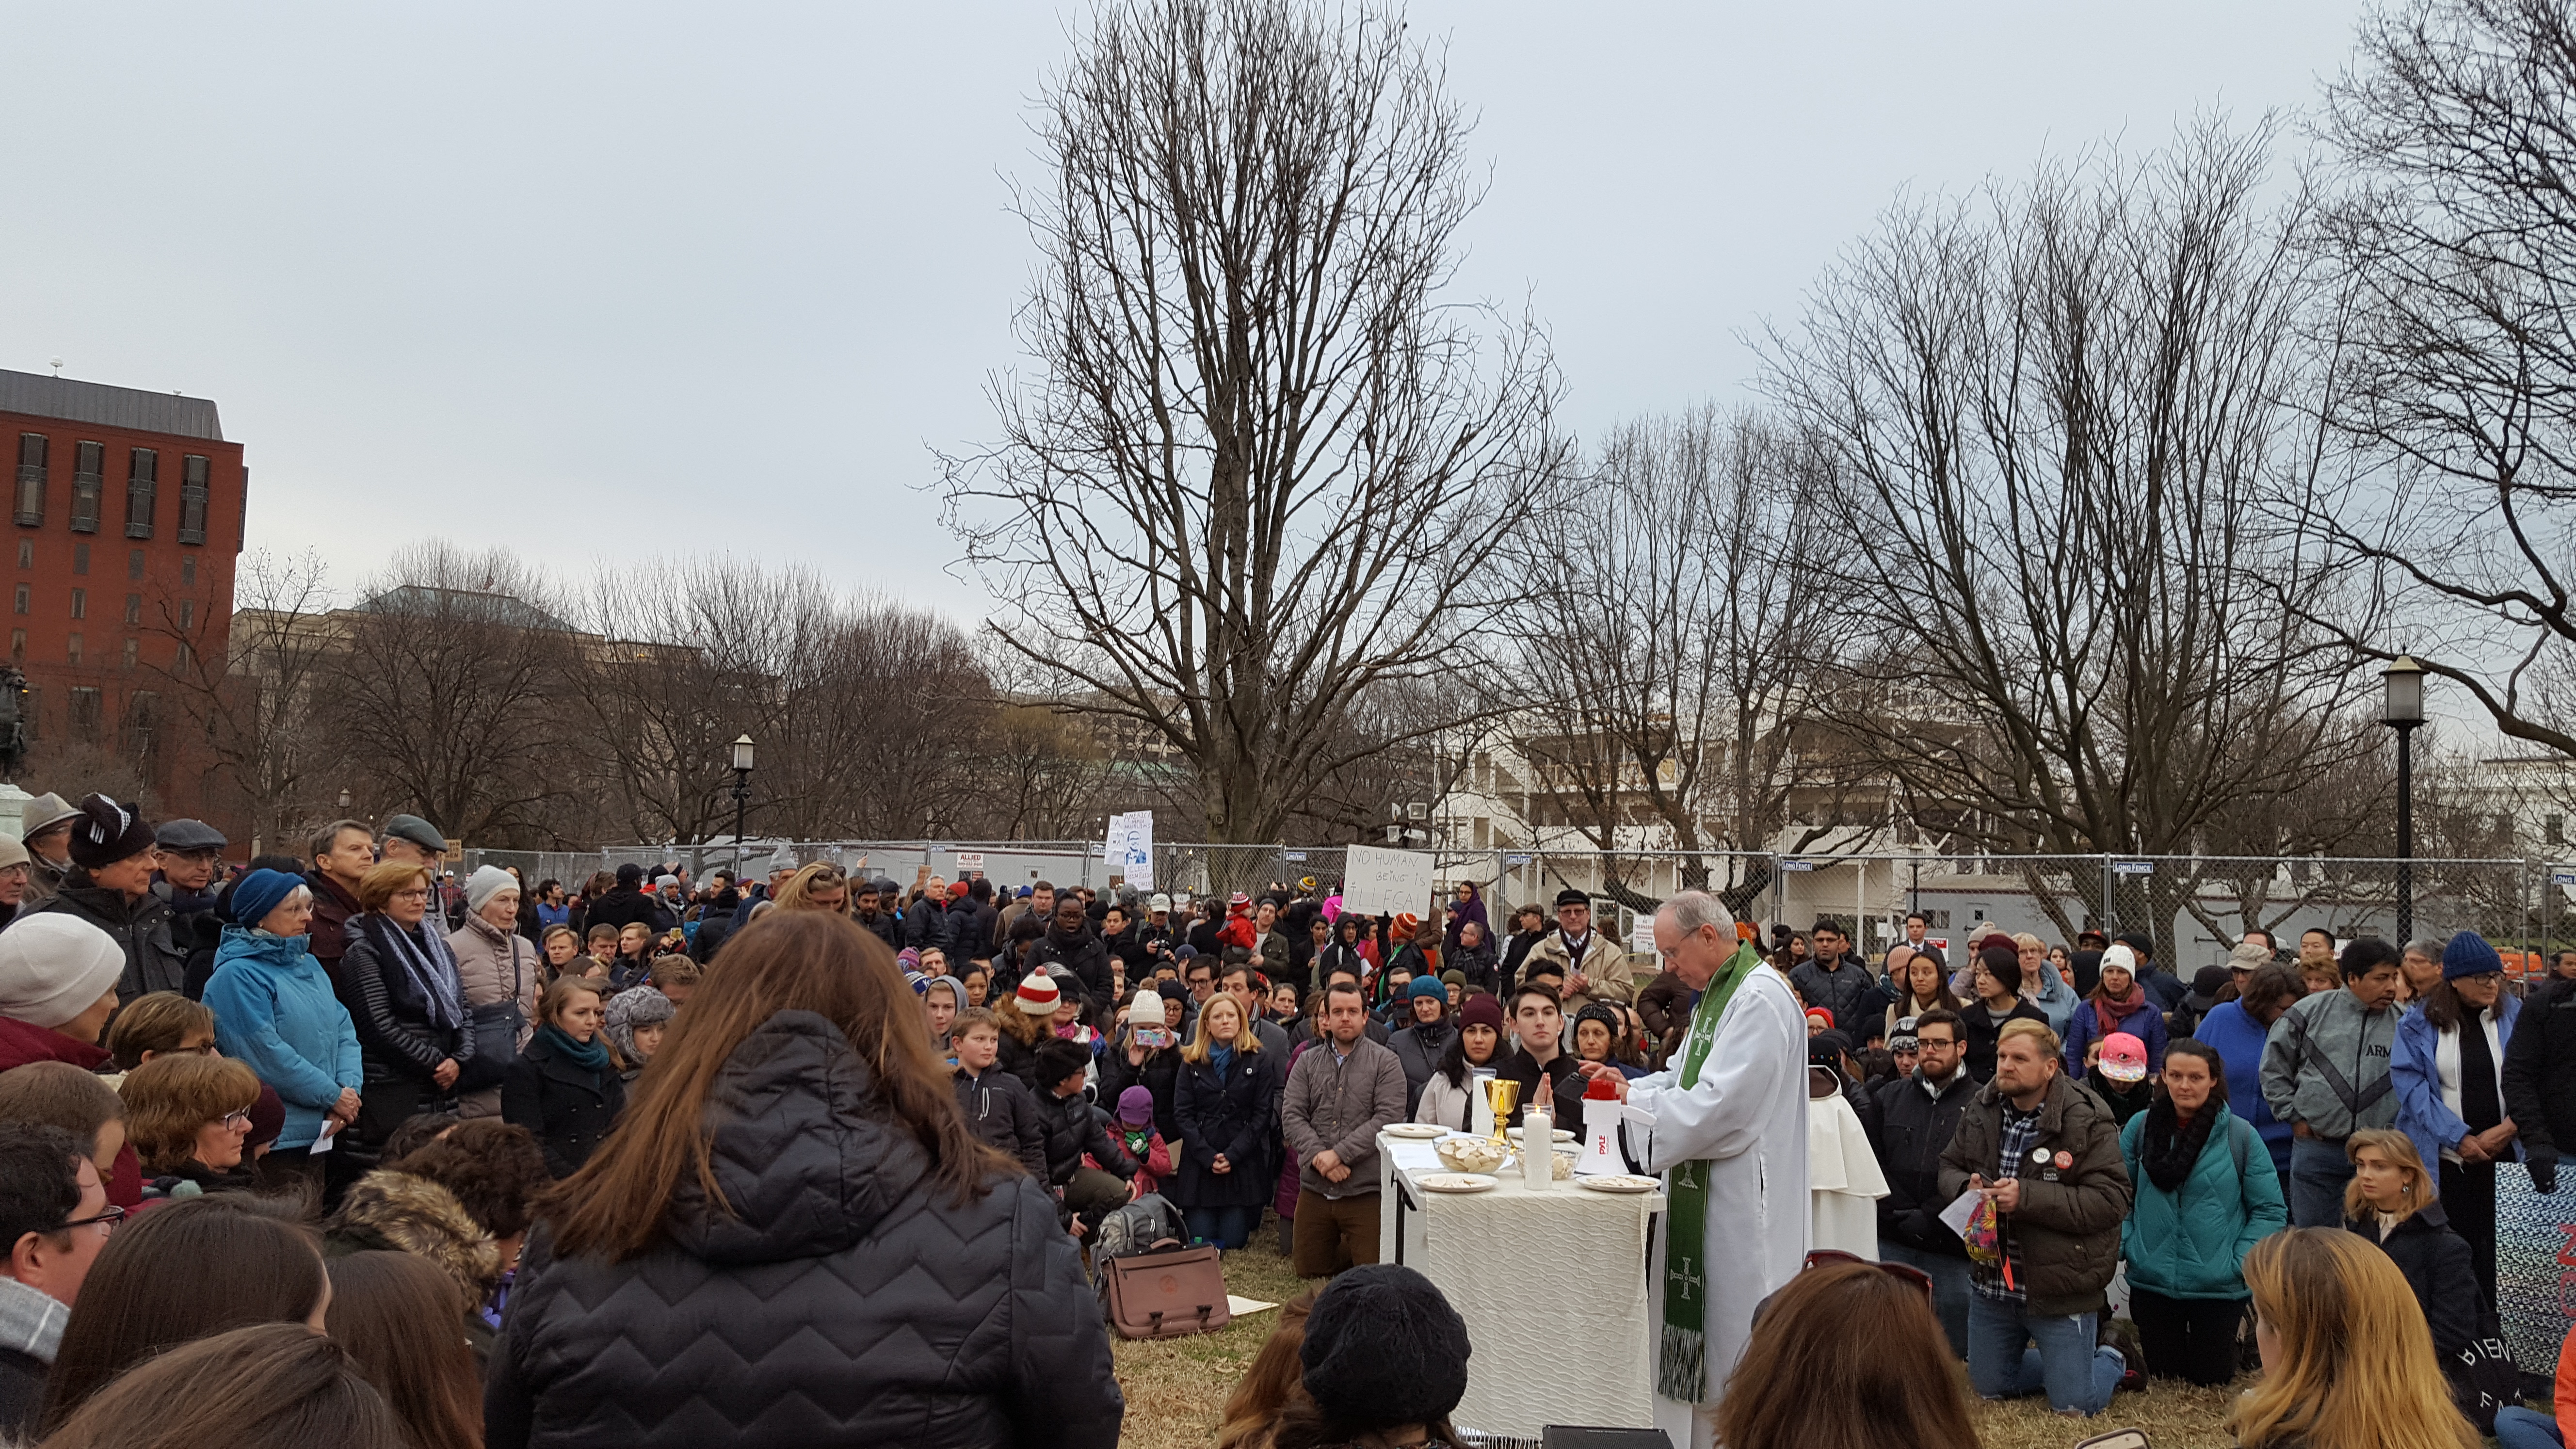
[[273, 1386], [830, 1256], [2347, 1363], [396, 1314], [1847, 1356]]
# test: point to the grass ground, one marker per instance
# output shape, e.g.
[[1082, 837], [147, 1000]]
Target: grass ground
[[1176, 1387]]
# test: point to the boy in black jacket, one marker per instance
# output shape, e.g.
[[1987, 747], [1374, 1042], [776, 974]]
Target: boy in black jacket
[[996, 1103], [1071, 1126]]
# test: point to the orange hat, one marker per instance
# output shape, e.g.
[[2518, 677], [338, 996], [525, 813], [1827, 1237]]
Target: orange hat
[[1406, 923]]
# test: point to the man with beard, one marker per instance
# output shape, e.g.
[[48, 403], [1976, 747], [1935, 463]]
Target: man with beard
[[875, 918]]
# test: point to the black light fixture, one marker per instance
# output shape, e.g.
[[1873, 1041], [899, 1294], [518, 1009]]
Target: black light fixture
[[2403, 712], [741, 797]]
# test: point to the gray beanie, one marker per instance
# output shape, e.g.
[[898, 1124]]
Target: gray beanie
[[486, 883], [55, 966]]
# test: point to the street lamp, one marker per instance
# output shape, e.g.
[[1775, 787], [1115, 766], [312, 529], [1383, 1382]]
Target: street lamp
[[741, 797], [2403, 713]]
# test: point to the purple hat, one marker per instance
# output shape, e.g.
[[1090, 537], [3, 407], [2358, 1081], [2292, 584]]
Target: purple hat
[[1136, 1107], [908, 959]]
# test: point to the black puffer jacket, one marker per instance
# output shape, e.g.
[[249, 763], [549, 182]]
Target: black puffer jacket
[[154, 959], [2540, 1074], [849, 1303]]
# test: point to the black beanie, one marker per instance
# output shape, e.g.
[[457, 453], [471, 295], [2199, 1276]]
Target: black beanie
[[105, 832], [1383, 1348], [630, 874]]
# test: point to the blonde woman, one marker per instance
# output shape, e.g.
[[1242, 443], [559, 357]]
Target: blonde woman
[[1226, 1097], [2392, 1201], [816, 887], [2347, 1363], [566, 1087]]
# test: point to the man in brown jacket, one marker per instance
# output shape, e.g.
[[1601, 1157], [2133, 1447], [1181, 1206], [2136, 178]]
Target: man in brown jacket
[[2045, 1153], [1341, 1092]]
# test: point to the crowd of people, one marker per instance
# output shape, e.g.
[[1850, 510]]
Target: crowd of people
[[510, 1163]]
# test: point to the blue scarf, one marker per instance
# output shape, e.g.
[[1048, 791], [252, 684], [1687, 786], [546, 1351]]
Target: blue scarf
[[1223, 1057]]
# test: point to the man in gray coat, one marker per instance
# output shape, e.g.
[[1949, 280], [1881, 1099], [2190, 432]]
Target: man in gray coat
[[1341, 1092], [2325, 1072]]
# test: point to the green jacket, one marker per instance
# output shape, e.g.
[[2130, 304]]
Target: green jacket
[[2192, 1243]]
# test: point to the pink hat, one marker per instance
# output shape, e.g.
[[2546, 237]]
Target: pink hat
[[1038, 994], [2124, 1057]]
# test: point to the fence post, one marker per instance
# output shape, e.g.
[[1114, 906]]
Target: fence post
[[1779, 892], [2110, 887]]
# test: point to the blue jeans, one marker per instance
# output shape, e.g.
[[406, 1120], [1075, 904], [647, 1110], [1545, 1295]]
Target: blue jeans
[[2318, 1172], [1950, 1287], [2078, 1374], [2519, 1428], [1227, 1227]]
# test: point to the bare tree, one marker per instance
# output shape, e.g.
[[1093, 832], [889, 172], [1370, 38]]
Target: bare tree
[[255, 709], [1245, 483], [1677, 602], [450, 689], [2054, 416], [2452, 240]]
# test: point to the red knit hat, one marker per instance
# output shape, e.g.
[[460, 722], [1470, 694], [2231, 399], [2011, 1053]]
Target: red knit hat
[[1038, 994]]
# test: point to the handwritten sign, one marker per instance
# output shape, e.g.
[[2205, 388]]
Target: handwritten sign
[[1378, 882]]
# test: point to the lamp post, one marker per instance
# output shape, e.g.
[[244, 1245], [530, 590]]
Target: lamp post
[[741, 798], [2403, 713]]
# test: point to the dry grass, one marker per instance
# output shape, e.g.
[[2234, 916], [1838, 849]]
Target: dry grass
[[1176, 1387]]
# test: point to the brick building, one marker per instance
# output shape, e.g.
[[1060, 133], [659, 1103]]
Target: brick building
[[126, 515]]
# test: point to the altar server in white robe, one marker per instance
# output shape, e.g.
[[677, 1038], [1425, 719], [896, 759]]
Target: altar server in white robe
[[1727, 1127]]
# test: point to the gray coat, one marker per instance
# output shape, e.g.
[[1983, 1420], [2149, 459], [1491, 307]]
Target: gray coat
[[2326, 1064], [1339, 1106]]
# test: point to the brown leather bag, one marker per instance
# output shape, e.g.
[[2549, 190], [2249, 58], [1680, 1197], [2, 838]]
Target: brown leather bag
[[1166, 1294]]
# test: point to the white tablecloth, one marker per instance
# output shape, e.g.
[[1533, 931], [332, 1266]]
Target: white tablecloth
[[1552, 1285]]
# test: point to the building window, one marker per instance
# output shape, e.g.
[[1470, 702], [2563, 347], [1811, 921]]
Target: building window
[[141, 481], [17, 645], [187, 573], [23, 592], [72, 651], [142, 725], [179, 661], [89, 462], [187, 615], [31, 478], [134, 563], [26, 553], [80, 558], [134, 608], [192, 501], [80, 603], [84, 714], [133, 651]]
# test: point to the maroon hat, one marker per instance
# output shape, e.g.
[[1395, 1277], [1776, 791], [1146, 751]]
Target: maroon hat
[[267, 1119], [1480, 1009]]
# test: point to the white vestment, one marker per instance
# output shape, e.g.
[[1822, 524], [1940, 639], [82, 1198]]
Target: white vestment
[[1748, 1116]]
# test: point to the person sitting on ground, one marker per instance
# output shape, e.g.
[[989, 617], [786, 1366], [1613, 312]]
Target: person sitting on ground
[[1384, 1362], [2206, 1192], [1846, 1356], [2392, 1201], [156, 1024], [189, 1118], [2347, 1363], [54, 1218], [179, 1273], [1133, 1127], [998, 1106], [1075, 1130]]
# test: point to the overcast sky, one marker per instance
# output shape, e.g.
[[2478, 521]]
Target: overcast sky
[[603, 282]]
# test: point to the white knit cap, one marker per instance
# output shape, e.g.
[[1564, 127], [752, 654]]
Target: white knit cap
[[483, 885], [55, 966], [1146, 1009]]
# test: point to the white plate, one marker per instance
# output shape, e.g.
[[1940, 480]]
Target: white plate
[[1618, 1183], [1558, 1134], [1419, 1131], [1455, 1182]]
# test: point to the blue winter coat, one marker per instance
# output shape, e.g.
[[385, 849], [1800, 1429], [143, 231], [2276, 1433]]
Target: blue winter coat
[[2231, 1033], [2083, 1028], [2417, 1081], [1232, 1115], [2192, 1243], [275, 1012]]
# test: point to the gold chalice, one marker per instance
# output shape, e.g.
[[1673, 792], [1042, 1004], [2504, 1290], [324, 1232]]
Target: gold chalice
[[1502, 1094]]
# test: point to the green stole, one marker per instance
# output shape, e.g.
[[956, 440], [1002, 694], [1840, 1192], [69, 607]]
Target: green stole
[[1681, 1367]]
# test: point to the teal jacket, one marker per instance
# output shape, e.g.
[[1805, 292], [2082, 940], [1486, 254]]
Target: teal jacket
[[2192, 1243], [274, 1010]]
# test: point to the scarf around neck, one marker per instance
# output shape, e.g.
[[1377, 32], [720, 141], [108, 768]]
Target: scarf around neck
[[591, 1055], [2112, 1010], [2171, 1147], [427, 970]]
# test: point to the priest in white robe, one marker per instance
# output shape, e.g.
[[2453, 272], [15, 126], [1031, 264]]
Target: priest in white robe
[[1726, 1125]]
